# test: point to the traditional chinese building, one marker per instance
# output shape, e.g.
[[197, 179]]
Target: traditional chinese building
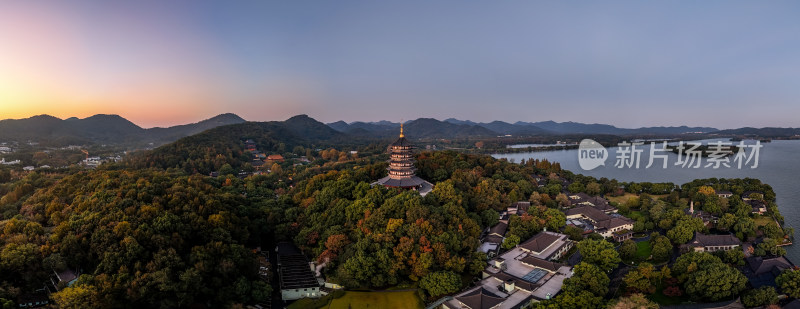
[[402, 173]]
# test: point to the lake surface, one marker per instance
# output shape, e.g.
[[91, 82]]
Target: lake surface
[[539, 145], [778, 166]]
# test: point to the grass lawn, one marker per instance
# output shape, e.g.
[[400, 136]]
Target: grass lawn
[[621, 199], [321, 302], [635, 215], [643, 250], [763, 220], [356, 299], [625, 197], [388, 300]]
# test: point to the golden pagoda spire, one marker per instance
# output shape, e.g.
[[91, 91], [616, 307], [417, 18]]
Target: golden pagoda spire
[[401, 130]]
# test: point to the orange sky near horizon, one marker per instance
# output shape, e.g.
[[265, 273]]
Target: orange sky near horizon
[[153, 74], [164, 63]]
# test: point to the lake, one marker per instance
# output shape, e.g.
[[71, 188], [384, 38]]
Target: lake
[[778, 166]]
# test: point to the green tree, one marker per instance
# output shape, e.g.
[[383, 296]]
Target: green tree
[[77, 297], [772, 230], [726, 222], [478, 262], [789, 282], [574, 232], [684, 230], [744, 228], [643, 279], [662, 249], [510, 242], [769, 246], [226, 169], [627, 250], [599, 252], [715, 282], [554, 219], [735, 256], [593, 188], [19, 257], [587, 277], [440, 283], [523, 226], [576, 187], [691, 262], [762, 296]]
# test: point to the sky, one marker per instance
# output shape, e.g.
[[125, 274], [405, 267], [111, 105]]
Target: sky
[[725, 64]]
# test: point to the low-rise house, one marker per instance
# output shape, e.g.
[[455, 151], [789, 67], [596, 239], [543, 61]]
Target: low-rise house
[[275, 158], [4, 162], [763, 271], [515, 279], [539, 181], [518, 208], [547, 245], [583, 199], [723, 193], [64, 278], [493, 239], [709, 220], [622, 235], [748, 195], [479, 298], [758, 206], [38, 298], [498, 229], [296, 274], [712, 243], [604, 224]]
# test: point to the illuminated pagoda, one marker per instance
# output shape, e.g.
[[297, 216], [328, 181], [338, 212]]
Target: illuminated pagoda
[[401, 168]]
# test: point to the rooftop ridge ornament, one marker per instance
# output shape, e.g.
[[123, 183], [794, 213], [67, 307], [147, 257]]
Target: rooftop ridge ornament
[[401, 130]]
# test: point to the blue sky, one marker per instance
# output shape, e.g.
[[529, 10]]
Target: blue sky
[[627, 63]]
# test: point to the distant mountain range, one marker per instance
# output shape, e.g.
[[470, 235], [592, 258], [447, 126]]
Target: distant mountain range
[[761, 132], [454, 128], [115, 130], [104, 129]]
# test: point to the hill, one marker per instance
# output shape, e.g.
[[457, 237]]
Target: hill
[[209, 150], [170, 134], [416, 129], [100, 129], [521, 128], [432, 128], [596, 128]]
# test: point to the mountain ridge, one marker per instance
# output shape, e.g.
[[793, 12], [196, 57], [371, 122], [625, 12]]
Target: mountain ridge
[[101, 128]]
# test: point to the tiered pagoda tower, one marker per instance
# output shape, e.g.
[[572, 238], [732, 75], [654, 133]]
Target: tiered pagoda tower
[[402, 173]]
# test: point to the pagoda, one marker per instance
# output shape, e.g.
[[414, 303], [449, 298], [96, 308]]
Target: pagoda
[[402, 173]]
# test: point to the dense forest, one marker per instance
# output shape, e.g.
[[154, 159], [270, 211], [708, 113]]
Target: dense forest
[[142, 238], [156, 231]]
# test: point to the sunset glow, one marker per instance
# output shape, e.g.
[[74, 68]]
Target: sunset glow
[[161, 63]]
